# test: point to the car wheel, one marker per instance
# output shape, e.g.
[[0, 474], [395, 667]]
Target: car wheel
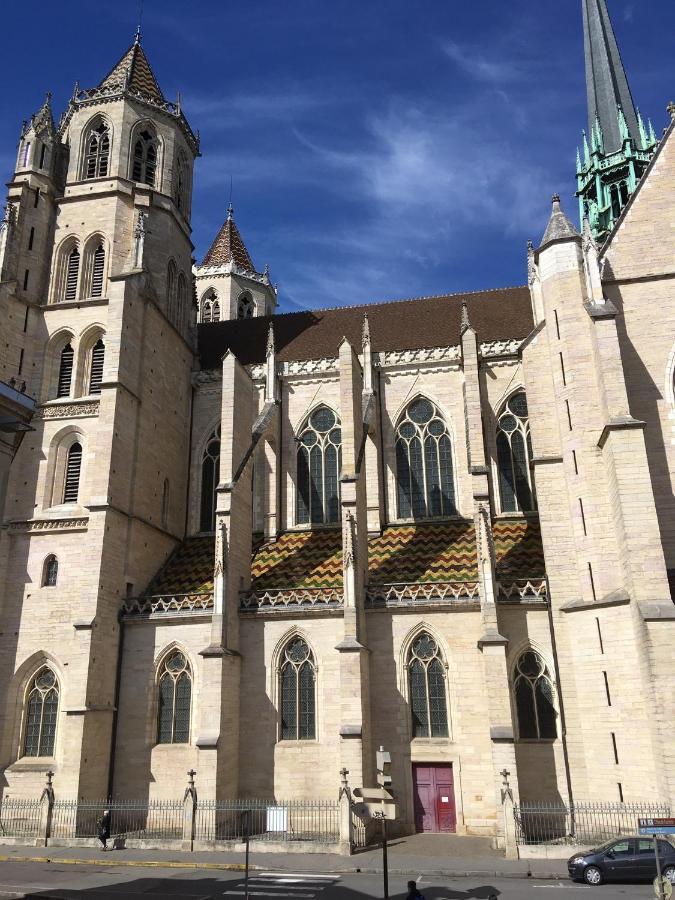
[[669, 873], [593, 875]]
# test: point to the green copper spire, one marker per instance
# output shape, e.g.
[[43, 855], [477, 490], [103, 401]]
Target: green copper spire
[[620, 146]]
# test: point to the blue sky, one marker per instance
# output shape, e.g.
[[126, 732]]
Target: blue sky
[[378, 149]]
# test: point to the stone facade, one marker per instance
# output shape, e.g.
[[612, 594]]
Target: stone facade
[[579, 577]]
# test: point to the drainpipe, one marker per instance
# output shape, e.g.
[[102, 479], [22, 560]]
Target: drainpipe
[[561, 706]]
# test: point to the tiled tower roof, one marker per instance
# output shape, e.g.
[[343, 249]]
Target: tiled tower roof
[[228, 246], [133, 71]]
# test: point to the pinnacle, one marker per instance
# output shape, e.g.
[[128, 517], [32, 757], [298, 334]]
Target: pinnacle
[[228, 246], [559, 226]]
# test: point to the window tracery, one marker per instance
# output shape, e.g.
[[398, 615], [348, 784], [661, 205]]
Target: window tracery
[[42, 707], [426, 674], [175, 697], [210, 478], [97, 152], [533, 692], [514, 452], [424, 470], [144, 163], [298, 692], [245, 307], [319, 460]]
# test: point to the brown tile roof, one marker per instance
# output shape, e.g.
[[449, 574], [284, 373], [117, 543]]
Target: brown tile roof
[[189, 569], [134, 71], [229, 247], [397, 325], [442, 551], [309, 559], [518, 548]]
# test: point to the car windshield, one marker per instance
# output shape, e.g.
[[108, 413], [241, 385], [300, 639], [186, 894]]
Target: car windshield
[[605, 846]]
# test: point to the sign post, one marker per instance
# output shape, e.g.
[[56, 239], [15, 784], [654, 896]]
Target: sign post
[[247, 838], [662, 887]]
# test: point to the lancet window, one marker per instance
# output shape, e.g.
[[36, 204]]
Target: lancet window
[[96, 368], [245, 307], [175, 697], [514, 452], [42, 708], [71, 485], [144, 164], [426, 674], [210, 478], [210, 311], [50, 571], [424, 473], [72, 274], [298, 692], [65, 371], [97, 270], [533, 691], [319, 459], [97, 152]]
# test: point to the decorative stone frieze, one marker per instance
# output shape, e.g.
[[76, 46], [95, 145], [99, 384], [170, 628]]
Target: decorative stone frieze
[[500, 348], [523, 590], [384, 359], [259, 601], [167, 604], [309, 366], [35, 526], [68, 410], [436, 592]]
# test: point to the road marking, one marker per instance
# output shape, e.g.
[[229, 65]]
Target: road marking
[[310, 875]]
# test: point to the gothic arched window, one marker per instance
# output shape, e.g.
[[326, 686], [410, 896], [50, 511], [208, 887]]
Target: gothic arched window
[[514, 452], [71, 483], [180, 182], [424, 476], [210, 478], [144, 163], [65, 371], [171, 290], [298, 692], [245, 307], [97, 270], [50, 571], [210, 307], [319, 459], [533, 690], [426, 674], [97, 152], [72, 274], [96, 367], [175, 695], [181, 312], [42, 708]]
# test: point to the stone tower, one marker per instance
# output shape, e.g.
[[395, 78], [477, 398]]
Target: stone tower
[[96, 292], [608, 169]]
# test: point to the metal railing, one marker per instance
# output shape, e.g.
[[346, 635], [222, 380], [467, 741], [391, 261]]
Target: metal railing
[[268, 820], [581, 823], [128, 818], [20, 817]]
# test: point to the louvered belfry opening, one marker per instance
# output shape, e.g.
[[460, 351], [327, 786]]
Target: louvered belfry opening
[[97, 272], [65, 372], [145, 159], [72, 272], [97, 359], [72, 481]]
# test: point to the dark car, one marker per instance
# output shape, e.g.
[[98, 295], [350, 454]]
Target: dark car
[[623, 859]]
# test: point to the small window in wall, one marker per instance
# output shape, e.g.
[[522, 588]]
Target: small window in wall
[[65, 371], [71, 487], [426, 674], [245, 307], [42, 707], [175, 696], [50, 571], [533, 691], [96, 373], [298, 692]]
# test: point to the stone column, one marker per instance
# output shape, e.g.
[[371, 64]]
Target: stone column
[[491, 644], [355, 749], [218, 733]]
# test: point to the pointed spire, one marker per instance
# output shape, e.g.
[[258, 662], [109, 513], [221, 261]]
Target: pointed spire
[[623, 126], [270, 341], [133, 72], [644, 139], [670, 109], [587, 153], [578, 160], [465, 324], [228, 247], [365, 332], [559, 226], [606, 82]]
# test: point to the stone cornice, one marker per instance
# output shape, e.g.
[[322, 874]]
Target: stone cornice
[[68, 410], [38, 526], [619, 423]]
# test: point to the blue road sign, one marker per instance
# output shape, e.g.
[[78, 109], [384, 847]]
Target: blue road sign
[[656, 826]]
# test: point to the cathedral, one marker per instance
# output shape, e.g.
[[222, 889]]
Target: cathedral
[[263, 545]]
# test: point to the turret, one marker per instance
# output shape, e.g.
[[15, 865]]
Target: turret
[[228, 284]]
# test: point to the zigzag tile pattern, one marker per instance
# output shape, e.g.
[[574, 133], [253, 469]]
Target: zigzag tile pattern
[[310, 559], [189, 569], [430, 552], [518, 547]]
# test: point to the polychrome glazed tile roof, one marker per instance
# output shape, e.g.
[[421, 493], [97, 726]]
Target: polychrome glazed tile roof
[[134, 71], [299, 559], [431, 552], [189, 569], [518, 548]]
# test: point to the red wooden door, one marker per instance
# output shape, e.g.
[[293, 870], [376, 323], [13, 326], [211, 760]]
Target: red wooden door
[[434, 798]]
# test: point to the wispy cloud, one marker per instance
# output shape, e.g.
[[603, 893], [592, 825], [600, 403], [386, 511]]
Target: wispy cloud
[[479, 67], [628, 12]]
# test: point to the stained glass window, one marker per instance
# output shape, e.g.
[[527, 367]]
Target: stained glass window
[[210, 478], [50, 572], [298, 692], [533, 690], [175, 695], [514, 453], [424, 475], [42, 709], [426, 673], [319, 460]]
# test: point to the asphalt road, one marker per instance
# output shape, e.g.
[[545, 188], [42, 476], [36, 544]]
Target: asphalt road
[[60, 881]]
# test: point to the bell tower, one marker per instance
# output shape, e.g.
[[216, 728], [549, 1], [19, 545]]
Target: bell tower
[[618, 146]]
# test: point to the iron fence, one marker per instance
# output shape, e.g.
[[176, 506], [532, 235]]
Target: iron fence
[[20, 817], [359, 831], [268, 820], [581, 823], [128, 818]]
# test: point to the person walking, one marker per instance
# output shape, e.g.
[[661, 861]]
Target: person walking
[[413, 892], [103, 825]]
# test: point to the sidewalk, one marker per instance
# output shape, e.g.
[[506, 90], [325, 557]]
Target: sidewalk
[[421, 854]]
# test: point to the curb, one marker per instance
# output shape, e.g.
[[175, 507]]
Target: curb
[[240, 867]]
